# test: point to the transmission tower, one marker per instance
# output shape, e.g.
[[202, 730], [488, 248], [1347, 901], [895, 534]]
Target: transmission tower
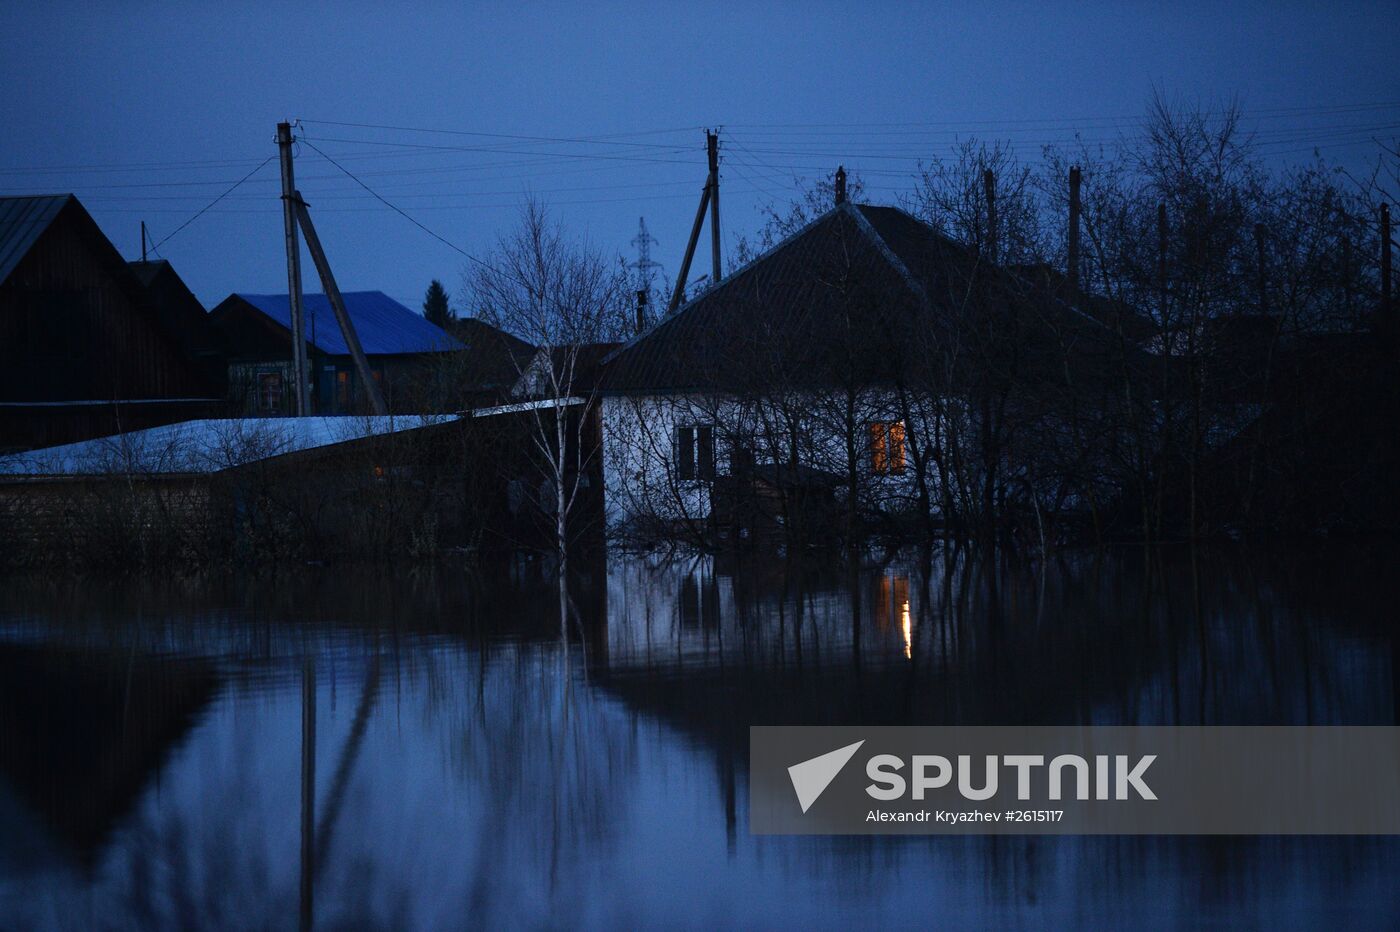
[[646, 268]]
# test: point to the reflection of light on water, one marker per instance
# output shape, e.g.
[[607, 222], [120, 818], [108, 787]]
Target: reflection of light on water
[[908, 639]]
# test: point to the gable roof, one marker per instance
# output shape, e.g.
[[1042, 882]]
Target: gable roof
[[22, 221], [856, 273], [385, 327], [494, 358]]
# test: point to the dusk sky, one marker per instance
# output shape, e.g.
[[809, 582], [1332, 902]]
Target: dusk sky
[[147, 111]]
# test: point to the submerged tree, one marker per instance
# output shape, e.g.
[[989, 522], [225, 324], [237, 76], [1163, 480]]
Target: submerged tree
[[565, 298]]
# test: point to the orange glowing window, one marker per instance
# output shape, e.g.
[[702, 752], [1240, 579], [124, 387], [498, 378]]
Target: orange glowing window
[[887, 447]]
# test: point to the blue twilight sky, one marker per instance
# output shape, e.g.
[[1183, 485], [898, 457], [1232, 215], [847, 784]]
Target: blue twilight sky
[[149, 111]]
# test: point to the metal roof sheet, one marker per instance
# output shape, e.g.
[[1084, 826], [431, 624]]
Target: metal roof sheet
[[22, 221], [384, 326], [204, 446]]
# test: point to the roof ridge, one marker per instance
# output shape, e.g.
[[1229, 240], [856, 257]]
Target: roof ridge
[[884, 248]]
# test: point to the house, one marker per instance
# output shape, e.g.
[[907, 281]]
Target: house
[[864, 372], [405, 353], [86, 348], [185, 319], [491, 363]]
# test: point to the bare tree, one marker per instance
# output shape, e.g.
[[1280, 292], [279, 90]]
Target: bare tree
[[564, 297]]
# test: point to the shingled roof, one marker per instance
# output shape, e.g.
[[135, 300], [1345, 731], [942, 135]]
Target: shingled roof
[[857, 273]]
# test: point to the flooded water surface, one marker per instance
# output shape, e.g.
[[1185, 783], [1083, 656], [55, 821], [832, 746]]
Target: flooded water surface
[[421, 750]]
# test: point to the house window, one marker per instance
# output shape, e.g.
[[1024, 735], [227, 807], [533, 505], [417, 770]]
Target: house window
[[695, 452], [342, 391], [887, 448], [270, 392]]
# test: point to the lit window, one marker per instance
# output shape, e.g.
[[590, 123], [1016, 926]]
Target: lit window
[[887, 448]]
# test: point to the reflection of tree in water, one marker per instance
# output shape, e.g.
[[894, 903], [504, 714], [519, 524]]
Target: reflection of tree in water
[[548, 765]]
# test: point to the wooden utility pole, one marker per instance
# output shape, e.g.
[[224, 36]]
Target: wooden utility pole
[[1162, 255], [1387, 308], [143, 241], [712, 149], [709, 198], [1072, 260], [1346, 275], [289, 225], [989, 186], [1260, 243], [342, 316]]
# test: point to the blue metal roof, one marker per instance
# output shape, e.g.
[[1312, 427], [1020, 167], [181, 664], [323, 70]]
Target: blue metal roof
[[22, 221], [383, 325]]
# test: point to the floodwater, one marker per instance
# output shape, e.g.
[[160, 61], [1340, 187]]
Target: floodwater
[[419, 750]]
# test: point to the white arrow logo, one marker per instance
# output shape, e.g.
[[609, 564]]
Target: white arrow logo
[[811, 777]]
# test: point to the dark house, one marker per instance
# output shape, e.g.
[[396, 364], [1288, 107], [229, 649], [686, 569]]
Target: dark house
[[863, 360], [85, 349], [491, 363], [406, 353]]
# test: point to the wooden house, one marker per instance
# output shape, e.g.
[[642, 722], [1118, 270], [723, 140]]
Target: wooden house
[[84, 348], [406, 353]]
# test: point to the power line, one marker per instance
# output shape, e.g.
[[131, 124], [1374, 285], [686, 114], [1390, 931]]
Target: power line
[[401, 213], [216, 200]]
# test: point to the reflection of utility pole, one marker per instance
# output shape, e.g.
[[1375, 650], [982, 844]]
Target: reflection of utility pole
[[308, 791], [289, 226]]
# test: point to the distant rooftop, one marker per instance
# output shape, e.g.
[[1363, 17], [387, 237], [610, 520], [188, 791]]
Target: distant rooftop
[[384, 326], [204, 446]]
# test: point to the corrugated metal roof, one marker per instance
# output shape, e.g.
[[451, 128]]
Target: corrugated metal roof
[[22, 221], [204, 446], [384, 326]]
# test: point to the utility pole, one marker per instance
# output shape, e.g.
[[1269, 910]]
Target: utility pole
[[989, 185], [712, 148], [1162, 256], [709, 198], [1072, 260], [289, 225], [1260, 243], [143, 241], [840, 185], [342, 316], [1387, 308]]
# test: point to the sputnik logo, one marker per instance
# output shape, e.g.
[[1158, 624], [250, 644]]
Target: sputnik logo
[[811, 777]]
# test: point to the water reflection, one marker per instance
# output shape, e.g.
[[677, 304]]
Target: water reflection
[[421, 750]]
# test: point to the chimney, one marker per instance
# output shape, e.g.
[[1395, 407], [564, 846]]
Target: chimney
[[989, 184], [840, 185], [641, 309], [1073, 259]]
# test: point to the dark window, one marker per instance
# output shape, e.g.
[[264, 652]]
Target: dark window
[[705, 451], [695, 452], [270, 392]]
